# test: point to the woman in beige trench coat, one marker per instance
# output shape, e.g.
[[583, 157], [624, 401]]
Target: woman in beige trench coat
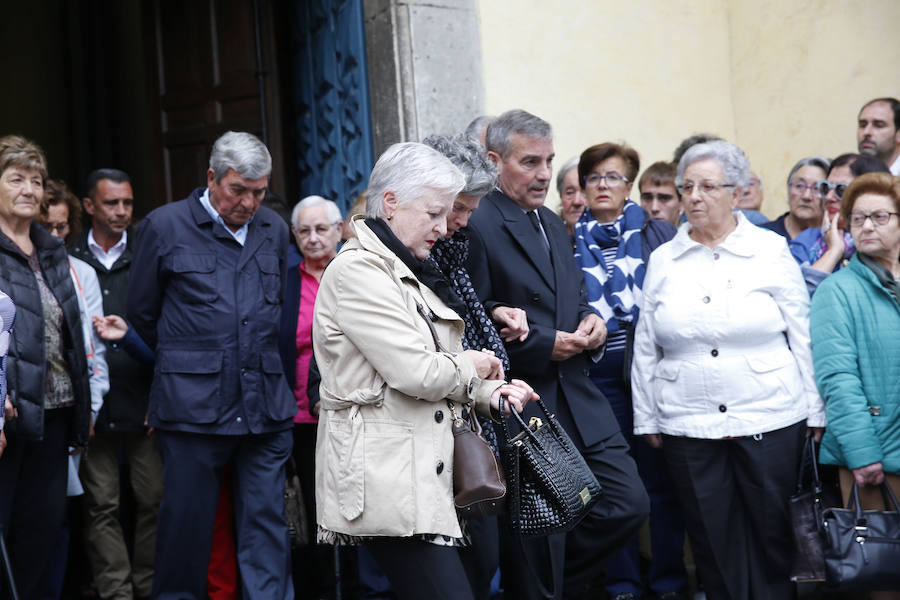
[[384, 456]]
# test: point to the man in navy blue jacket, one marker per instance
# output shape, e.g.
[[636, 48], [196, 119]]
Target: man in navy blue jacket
[[209, 302]]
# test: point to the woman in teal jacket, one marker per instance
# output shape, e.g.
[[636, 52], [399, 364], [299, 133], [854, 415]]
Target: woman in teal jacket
[[855, 331]]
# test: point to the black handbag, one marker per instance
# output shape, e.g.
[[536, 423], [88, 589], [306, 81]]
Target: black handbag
[[862, 547], [479, 487], [806, 507], [550, 487]]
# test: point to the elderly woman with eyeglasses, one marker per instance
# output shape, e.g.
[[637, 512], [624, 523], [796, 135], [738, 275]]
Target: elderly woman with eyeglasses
[[722, 378], [804, 206], [613, 240], [855, 328], [824, 249]]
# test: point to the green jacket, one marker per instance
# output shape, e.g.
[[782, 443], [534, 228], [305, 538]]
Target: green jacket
[[855, 332]]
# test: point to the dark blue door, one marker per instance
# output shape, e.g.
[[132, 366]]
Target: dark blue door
[[334, 129]]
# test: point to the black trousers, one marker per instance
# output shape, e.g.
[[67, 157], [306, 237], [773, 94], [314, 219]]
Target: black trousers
[[481, 559], [33, 477], [564, 564], [734, 498], [419, 570]]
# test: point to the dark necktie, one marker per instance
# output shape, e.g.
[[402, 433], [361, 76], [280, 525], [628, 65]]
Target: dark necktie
[[536, 223]]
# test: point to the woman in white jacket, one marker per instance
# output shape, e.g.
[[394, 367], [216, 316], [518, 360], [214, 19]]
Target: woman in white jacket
[[722, 378], [384, 454]]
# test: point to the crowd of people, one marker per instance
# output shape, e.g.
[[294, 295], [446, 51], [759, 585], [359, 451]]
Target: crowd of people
[[687, 344]]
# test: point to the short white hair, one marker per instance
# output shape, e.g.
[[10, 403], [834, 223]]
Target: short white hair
[[331, 209], [732, 160], [410, 169]]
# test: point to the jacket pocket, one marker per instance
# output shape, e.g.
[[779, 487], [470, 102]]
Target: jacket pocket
[[188, 386], [374, 473], [771, 374], [270, 277], [280, 401], [195, 277]]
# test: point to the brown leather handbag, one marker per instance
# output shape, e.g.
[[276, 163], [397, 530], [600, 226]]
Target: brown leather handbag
[[479, 486]]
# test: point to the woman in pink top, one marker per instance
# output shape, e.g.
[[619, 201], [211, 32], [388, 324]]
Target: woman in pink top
[[317, 226]]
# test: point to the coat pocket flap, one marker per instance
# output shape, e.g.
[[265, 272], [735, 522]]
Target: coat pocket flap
[[667, 370], [268, 263], [200, 362], [769, 362], [194, 263]]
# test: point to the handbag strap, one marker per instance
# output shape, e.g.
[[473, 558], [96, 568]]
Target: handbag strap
[[809, 458], [434, 335]]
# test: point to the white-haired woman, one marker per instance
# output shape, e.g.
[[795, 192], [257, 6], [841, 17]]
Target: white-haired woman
[[722, 378], [384, 459]]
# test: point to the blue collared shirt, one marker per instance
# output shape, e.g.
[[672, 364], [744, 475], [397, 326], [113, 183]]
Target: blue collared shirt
[[240, 235]]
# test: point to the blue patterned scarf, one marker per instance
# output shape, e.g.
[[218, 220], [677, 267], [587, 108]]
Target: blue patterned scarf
[[615, 293]]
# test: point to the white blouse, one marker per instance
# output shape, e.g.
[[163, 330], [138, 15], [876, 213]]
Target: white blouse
[[722, 344]]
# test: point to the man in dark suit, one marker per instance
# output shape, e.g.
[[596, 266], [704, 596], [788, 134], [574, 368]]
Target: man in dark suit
[[209, 301], [521, 256]]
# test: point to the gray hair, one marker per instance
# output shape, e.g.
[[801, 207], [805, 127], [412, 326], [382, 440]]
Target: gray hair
[[512, 122], [570, 164], [243, 152], [810, 161], [732, 159], [477, 127], [470, 158], [332, 212], [410, 169]]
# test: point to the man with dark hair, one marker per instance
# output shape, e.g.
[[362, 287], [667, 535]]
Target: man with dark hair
[[121, 428], [693, 140], [209, 302], [521, 256], [658, 194], [878, 131]]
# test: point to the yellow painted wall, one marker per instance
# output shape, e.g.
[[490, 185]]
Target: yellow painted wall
[[783, 79]]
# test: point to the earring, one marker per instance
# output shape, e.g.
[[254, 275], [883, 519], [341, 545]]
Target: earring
[[389, 218]]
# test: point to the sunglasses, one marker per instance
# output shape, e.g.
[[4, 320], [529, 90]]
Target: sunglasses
[[825, 187]]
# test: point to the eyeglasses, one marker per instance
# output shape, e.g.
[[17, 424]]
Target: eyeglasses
[[705, 187], [879, 218], [304, 232], [59, 228], [799, 188], [613, 180], [825, 187]]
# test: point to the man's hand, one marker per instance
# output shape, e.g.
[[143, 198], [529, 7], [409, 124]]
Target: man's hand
[[111, 327], [2, 442], [513, 321], [568, 345], [91, 429], [594, 328], [869, 475], [487, 366]]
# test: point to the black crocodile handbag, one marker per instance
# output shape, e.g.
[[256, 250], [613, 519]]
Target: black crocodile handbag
[[862, 547], [550, 487]]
